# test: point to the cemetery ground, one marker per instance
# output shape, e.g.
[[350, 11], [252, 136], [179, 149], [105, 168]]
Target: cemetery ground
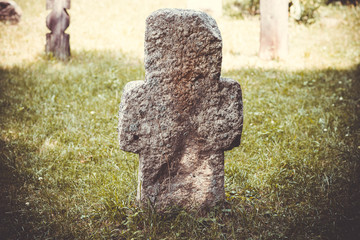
[[62, 176]]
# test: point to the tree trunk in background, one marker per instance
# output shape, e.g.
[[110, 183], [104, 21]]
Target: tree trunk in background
[[273, 29]]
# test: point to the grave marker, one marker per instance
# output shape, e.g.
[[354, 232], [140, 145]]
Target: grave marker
[[57, 42], [182, 118]]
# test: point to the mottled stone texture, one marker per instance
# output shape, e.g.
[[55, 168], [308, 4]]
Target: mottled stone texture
[[183, 116], [57, 42], [10, 12]]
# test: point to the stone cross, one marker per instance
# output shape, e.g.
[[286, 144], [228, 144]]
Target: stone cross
[[57, 42], [182, 118], [274, 29]]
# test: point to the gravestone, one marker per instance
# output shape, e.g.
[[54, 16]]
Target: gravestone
[[10, 12], [273, 29], [57, 42], [182, 118], [212, 7]]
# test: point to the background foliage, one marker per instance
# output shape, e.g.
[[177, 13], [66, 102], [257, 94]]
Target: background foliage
[[303, 11]]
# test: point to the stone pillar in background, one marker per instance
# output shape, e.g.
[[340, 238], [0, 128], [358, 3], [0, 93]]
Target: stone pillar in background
[[10, 12], [212, 7], [182, 118], [57, 42], [274, 29]]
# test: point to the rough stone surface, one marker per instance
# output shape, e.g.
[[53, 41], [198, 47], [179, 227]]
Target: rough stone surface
[[10, 12], [183, 116], [57, 42]]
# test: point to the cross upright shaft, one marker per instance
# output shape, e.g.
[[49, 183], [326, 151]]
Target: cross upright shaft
[[182, 118]]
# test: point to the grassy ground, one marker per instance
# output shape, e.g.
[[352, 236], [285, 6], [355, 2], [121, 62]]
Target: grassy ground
[[62, 175]]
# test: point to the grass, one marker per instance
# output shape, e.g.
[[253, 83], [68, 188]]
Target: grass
[[294, 176]]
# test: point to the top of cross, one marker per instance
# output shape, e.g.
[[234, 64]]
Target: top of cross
[[189, 41]]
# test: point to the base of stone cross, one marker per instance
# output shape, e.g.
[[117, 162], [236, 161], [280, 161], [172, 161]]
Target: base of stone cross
[[197, 182], [58, 45]]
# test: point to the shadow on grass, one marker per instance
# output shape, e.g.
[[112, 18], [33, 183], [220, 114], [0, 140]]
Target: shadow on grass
[[17, 219], [295, 175], [9, 185]]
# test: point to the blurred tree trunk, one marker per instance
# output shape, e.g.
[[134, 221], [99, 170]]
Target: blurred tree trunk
[[273, 29]]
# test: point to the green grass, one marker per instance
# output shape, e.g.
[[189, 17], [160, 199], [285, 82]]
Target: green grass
[[296, 174]]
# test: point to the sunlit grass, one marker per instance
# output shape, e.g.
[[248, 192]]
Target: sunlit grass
[[120, 25], [295, 175]]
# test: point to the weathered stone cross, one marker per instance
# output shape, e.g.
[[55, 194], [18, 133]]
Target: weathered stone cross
[[57, 42], [183, 116]]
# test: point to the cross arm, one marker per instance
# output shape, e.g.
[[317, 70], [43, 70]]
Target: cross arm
[[220, 121], [129, 122]]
